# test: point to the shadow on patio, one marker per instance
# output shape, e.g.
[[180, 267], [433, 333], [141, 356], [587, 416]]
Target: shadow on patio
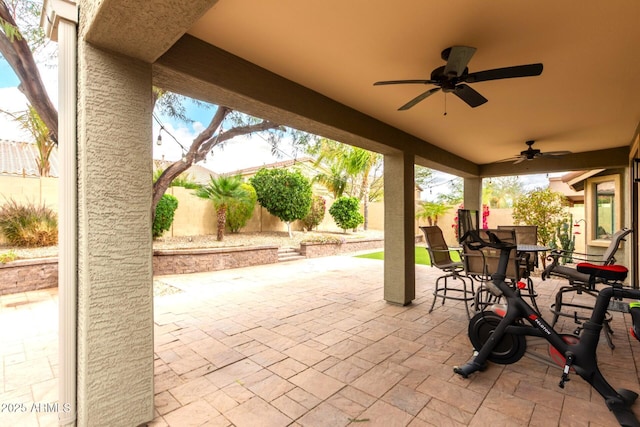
[[313, 344]]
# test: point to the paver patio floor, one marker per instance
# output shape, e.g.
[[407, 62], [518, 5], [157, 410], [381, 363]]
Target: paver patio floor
[[313, 343]]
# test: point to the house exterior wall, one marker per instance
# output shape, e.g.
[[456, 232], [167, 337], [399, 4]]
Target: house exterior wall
[[115, 299]]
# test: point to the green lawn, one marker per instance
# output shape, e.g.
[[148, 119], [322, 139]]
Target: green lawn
[[422, 256]]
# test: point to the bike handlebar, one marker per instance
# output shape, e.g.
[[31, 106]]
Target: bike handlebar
[[475, 242]]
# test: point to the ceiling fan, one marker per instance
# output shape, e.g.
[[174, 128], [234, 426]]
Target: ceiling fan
[[451, 78], [533, 153]]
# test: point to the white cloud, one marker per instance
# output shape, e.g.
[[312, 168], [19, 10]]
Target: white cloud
[[13, 101], [241, 153]]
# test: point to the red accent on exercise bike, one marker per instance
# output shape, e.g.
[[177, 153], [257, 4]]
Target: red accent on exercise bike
[[533, 317], [521, 285], [558, 357]]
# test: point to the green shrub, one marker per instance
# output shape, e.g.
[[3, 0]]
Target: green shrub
[[28, 225], [316, 213], [283, 193], [346, 213], [239, 211], [164, 214], [8, 256]]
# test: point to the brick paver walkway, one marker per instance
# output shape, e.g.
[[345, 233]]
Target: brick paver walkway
[[312, 343]]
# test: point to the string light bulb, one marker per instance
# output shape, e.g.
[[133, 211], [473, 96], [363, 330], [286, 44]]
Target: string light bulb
[[159, 140]]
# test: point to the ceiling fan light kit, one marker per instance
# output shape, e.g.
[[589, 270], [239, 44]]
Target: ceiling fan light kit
[[452, 77]]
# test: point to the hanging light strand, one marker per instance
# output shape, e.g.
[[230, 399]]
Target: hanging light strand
[[163, 129]]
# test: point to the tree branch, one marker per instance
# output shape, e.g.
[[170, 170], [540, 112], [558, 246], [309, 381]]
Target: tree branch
[[19, 56]]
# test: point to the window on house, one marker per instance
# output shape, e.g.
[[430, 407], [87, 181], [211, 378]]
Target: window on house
[[604, 209]]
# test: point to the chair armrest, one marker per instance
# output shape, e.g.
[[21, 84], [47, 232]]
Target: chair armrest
[[556, 254]]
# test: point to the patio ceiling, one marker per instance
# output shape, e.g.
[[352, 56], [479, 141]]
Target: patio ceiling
[[586, 99], [312, 65]]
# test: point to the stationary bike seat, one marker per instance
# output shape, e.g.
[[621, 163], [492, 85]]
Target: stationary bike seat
[[608, 272]]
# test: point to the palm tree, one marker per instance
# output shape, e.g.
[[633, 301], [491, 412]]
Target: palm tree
[[30, 121], [221, 190], [335, 180], [359, 162], [431, 211]]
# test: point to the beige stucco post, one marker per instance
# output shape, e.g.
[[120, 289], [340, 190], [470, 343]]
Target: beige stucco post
[[472, 193], [115, 298], [399, 223]]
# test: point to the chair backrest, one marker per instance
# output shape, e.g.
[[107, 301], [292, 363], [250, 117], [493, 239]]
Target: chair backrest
[[608, 257], [436, 246], [484, 262], [525, 235], [467, 220]]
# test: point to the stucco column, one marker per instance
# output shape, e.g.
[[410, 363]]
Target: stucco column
[[399, 229], [115, 296], [472, 196]]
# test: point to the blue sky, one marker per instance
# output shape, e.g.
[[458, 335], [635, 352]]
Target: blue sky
[[7, 76]]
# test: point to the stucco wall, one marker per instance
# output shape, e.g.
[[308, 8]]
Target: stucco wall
[[115, 296], [196, 216], [30, 190]]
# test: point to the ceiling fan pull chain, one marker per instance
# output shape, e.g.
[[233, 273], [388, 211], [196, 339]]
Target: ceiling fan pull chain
[[445, 104]]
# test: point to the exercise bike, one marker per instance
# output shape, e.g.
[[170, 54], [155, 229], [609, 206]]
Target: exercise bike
[[499, 335]]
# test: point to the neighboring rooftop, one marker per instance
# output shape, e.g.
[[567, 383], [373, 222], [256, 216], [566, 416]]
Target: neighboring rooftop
[[19, 159], [277, 165], [197, 173]]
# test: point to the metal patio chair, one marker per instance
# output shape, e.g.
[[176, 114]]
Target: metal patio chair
[[440, 255]]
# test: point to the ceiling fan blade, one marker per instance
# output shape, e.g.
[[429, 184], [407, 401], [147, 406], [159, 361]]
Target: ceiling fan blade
[[459, 57], [520, 160], [554, 154], [505, 73], [404, 82], [418, 98], [469, 95]]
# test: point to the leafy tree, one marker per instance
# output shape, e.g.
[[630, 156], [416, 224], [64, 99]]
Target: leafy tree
[[17, 46], [430, 211], [455, 195], [222, 190], [284, 194], [346, 213], [316, 213], [240, 210], [164, 214], [335, 180], [546, 209], [360, 163], [353, 170], [423, 176], [501, 192]]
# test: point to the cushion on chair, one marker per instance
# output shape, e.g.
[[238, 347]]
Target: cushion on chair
[[610, 272]]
